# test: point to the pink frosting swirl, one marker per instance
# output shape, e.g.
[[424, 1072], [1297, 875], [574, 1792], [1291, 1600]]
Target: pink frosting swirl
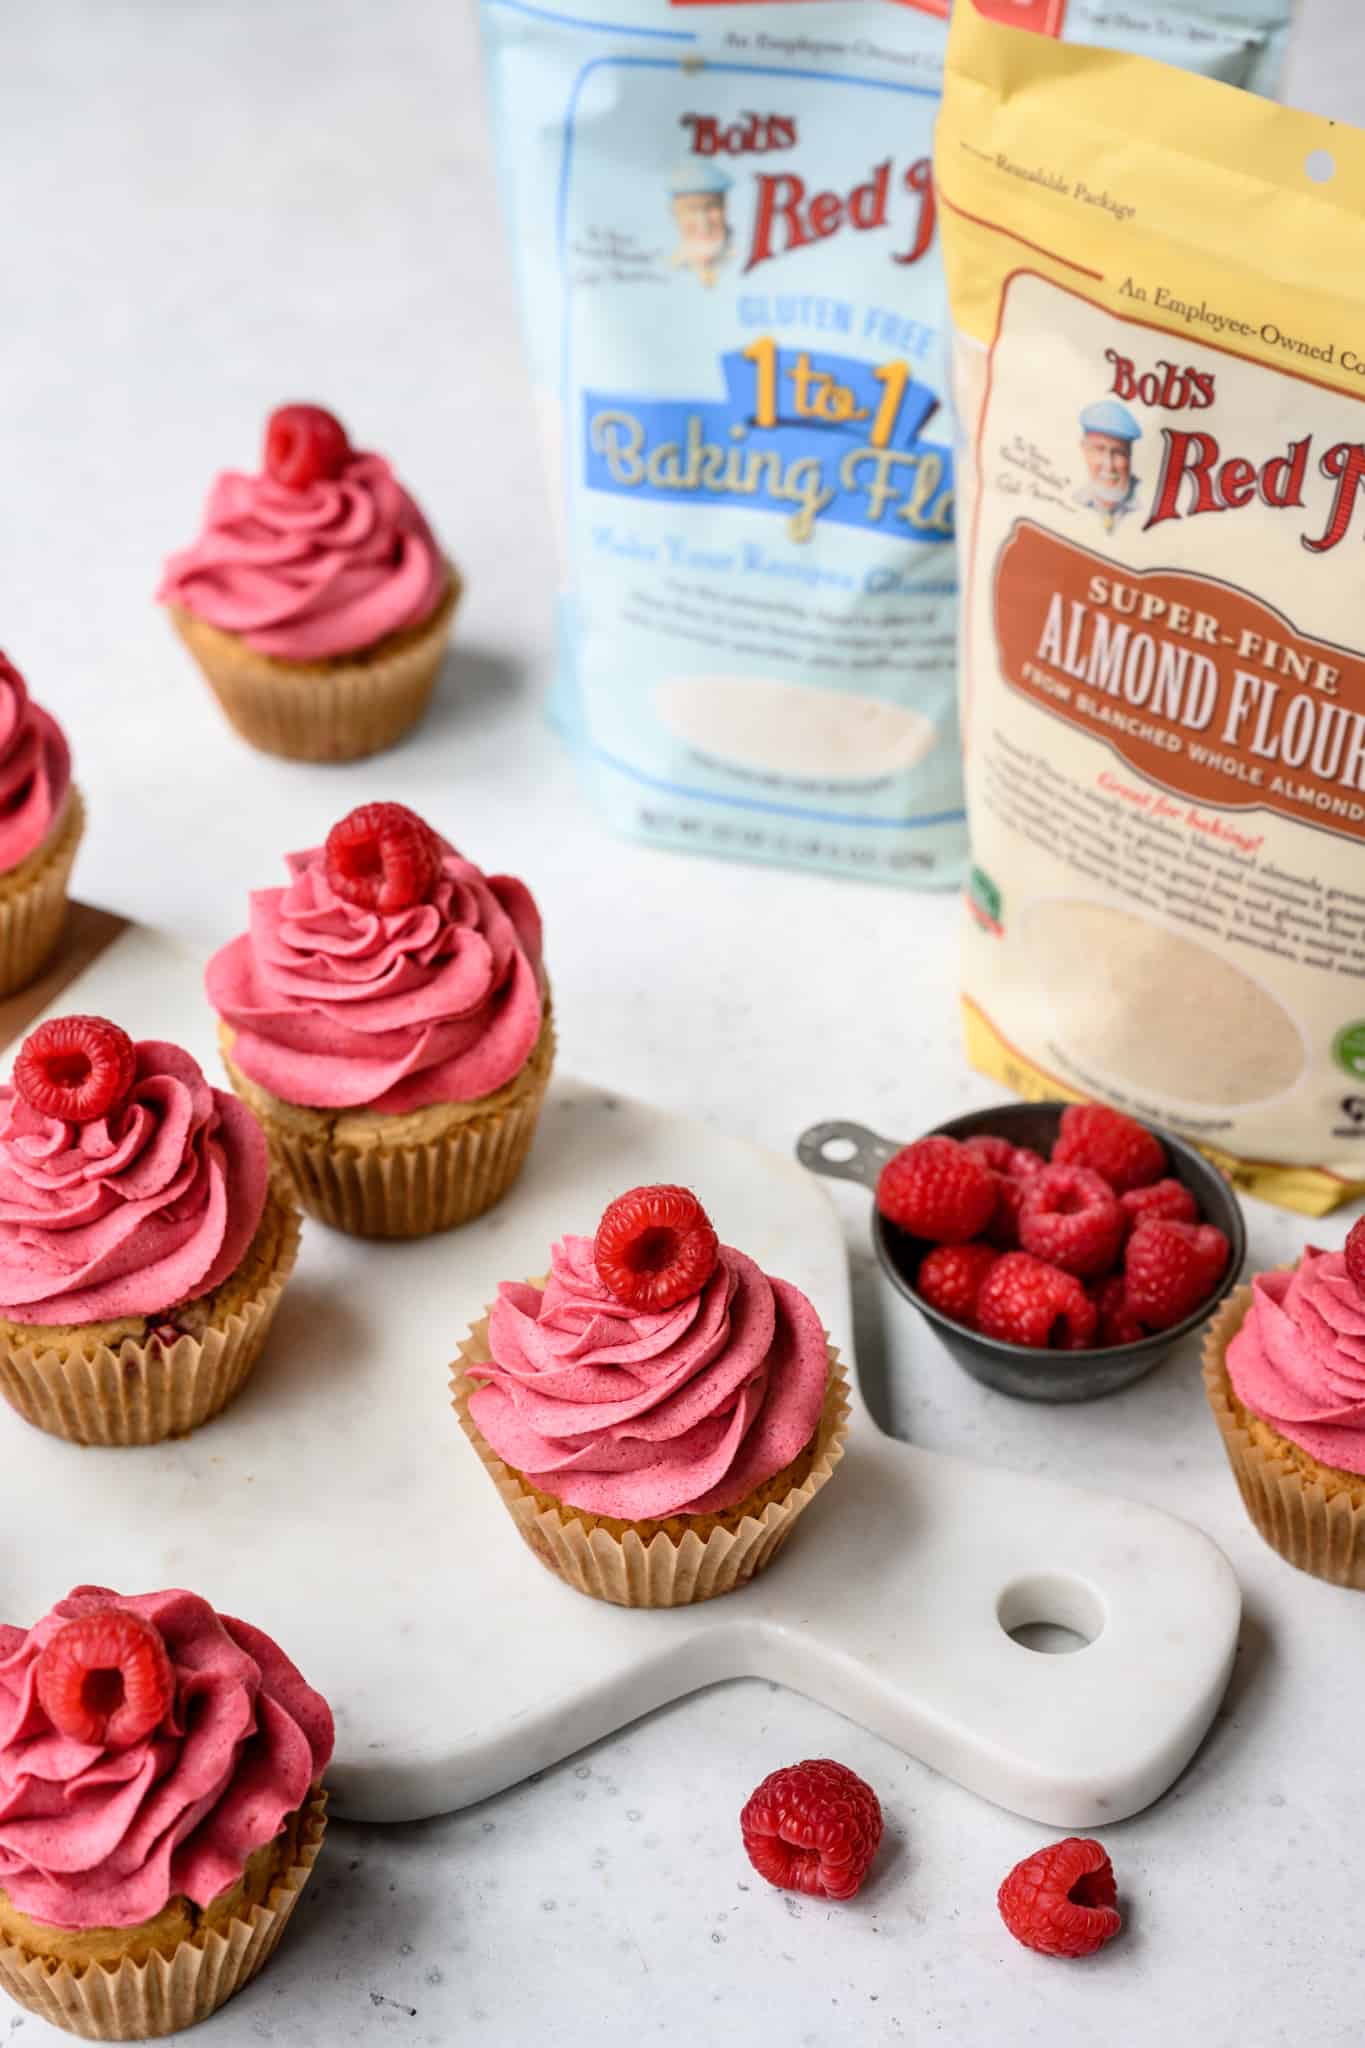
[[303, 574], [1298, 1360], [336, 1007], [35, 770], [638, 1416], [133, 1212], [92, 1836]]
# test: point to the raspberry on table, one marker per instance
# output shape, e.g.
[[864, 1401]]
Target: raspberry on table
[[1123, 1152], [813, 1827], [76, 1068], [382, 857], [105, 1678], [1118, 1324], [654, 1247], [1024, 1301], [303, 445], [1071, 1218], [1170, 1268], [1166, 1200], [950, 1278], [937, 1189], [1063, 1900]]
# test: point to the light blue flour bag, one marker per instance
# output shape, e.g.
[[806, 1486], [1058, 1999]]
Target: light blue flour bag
[[722, 215]]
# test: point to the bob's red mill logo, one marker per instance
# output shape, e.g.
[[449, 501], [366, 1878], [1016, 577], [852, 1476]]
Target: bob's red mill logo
[[790, 213], [1198, 474]]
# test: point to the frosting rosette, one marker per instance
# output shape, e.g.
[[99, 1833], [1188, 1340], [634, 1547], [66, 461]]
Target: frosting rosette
[[303, 573], [336, 1005], [35, 770], [1298, 1360], [99, 1834], [641, 1415], [130, 1213]]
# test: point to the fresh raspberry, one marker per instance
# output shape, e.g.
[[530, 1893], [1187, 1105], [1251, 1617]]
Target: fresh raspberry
[[1062, 1901], [105, 1678], [1027, 1302], [1070, 1218], [303, 444], [937, 1189], [1168, 1201], [1170, 1268], [1118, 1324], [1122, 1152], [813, 1828], [1354, 1253], [950, 1278], [76, 1068], [1016, 1162], [382, 857], [655, 1247]]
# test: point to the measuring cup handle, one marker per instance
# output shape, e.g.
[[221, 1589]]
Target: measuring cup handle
[[863, 1162]]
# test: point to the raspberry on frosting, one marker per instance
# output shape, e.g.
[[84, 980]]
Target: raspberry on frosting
[[641, 1414], [322, 558], [35, 770], [339, 1005], [153, 1204], [103, 1830]]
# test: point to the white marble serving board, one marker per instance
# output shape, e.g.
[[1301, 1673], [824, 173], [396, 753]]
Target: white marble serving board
[[337, 1505]]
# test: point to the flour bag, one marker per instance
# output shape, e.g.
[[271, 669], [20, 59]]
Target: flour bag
[[1158, 290], [724, 224]]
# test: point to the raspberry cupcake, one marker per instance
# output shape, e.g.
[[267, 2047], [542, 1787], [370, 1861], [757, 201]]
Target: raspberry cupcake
[[658, 1412], [161, 1808], [386, 1016], [316, 600], [1284, 1369], [41, 821], [142, 1248]]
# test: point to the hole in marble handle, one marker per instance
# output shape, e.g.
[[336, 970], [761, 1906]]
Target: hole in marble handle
[[838, 1151], [1053, 1613]]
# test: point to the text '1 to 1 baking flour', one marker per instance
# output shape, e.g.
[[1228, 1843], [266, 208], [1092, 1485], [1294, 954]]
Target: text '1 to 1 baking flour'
[[726, 237], [1163, 520]]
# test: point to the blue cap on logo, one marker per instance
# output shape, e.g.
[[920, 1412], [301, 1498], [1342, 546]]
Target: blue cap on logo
[[692, 175], [1107, 416]]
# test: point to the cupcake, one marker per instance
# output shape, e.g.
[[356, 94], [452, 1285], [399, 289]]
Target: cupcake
[[316, 600], [1284, 1368], [41, 821], [658, 1412], [387, 1018], [161, 1808], [142, 1247]]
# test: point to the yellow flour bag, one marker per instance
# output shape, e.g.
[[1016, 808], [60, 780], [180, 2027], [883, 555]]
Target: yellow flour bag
[[1157, 286]]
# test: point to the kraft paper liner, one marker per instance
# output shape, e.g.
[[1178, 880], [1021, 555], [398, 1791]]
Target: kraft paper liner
[[667, 1571], [145, 1391], [340, 710], [33, 903], [141, 2001], [411, 1190], [1317, 1523]]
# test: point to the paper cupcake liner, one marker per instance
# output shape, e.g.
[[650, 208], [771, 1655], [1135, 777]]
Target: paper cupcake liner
[[666, 1571], [33, 906], [336, 712], [411, 1190], [1317, 1524], [143, 1391], [140, 2001]]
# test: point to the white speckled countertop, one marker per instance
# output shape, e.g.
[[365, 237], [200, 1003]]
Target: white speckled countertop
[[207, 209]]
